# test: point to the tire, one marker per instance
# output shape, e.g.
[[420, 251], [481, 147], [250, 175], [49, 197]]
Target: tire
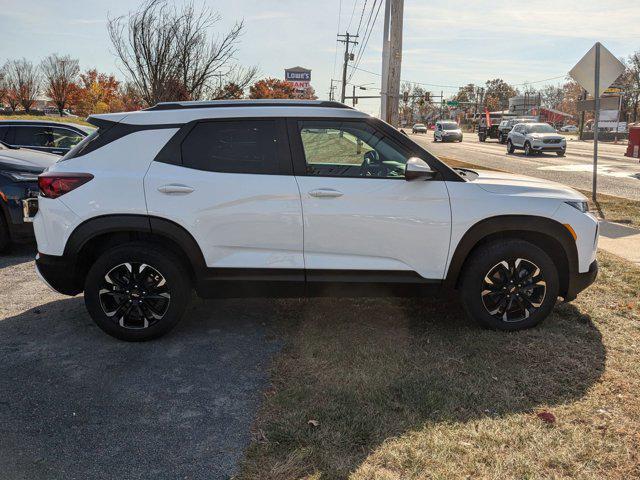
[[482, 138], [510, 306], [5, 239], [560, 154], [527, 149], [510, 147], [146, 314]]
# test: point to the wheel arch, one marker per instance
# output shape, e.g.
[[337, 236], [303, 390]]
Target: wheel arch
[[100, 233], [546, 233]]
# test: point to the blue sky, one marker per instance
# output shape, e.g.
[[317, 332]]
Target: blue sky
[[445, 43]]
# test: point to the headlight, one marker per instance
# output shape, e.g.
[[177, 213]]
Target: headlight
[[20, 176], [582, 206]]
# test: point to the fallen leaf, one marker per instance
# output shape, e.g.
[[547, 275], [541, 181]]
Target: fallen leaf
[[313, 423], [547, 417]]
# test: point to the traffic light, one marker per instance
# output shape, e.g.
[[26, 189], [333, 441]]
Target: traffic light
[[405, 96]]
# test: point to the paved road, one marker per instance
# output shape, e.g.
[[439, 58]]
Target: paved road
[[618, 175], [77, 404]]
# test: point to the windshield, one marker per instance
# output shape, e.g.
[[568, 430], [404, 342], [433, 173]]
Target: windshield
[[417, 125], [541, 128], [450, 126]]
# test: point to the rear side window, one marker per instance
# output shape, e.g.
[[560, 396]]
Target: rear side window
[[34, 137], [244, 146]]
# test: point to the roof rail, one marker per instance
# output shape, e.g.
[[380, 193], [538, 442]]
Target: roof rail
[[246, 103]]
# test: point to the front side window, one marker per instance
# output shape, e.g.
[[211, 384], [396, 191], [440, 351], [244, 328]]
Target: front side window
[[350, 149], [241, 146], [65, 138]]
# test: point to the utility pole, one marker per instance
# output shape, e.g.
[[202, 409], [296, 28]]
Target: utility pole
[[346, 39], [596, 89], [331, 90], [391, 60]]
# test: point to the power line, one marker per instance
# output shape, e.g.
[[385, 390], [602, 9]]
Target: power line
[[355, 2], [366, 37], [335, 57], [364, 6], [457, 86]]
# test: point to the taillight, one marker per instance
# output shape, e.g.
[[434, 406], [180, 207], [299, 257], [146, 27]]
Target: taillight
[[55, 184]]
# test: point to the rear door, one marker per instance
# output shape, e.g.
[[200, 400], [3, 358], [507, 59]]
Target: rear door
[[360, 214], [230, 184]]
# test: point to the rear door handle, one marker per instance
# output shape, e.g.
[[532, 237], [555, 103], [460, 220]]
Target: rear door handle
[[175, 189], [325, 193]]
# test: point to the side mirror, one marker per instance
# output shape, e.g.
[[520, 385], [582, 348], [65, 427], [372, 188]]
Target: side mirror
[[417, 168]]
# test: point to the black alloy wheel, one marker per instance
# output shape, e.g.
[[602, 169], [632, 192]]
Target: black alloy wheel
[[513, 290], [527, 149], [134, 295]]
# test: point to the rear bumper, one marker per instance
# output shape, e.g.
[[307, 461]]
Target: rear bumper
[[579, 281], [58, 273]]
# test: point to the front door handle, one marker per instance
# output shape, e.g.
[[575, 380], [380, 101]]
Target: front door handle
[[175, 189], [325, 193]]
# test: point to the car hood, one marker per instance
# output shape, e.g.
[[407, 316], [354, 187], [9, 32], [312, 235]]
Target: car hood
[[521, 185], [458, 130], [546, 135], [25, 160]]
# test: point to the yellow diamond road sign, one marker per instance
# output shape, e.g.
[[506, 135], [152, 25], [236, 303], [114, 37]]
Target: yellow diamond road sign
[[584, 71]]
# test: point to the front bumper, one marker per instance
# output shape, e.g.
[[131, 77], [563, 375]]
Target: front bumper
[[59, 274], [549, 147], [579, 281], [451, 138]]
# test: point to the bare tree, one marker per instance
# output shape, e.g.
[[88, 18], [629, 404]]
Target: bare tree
[[60, 75], [23, 83], [3, 86], [167, 52], [234, 83]]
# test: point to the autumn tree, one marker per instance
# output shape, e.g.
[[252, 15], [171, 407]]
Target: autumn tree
[[168, 53], [3, 86], [97, 92], [60, 77], [497, 94], [632, 85], [272, 88], [23, 83]]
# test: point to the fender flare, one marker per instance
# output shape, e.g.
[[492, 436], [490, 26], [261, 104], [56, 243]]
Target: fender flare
[[162, 227], [507, 225]]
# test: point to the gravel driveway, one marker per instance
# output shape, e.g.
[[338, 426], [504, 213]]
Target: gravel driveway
[[77, 404]]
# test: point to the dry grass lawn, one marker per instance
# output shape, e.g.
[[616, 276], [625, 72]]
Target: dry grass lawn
[[614, 209], [48, 118], [394, 389]]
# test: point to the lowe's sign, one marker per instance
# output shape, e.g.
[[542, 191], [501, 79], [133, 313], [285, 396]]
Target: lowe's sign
[[297, 74]]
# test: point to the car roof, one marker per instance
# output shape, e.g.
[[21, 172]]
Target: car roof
[[41, 122], [183, 112]]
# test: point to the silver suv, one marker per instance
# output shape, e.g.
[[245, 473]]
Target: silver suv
[[536, 138]]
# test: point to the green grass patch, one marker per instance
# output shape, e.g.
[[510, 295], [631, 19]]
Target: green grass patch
[[48, 118]]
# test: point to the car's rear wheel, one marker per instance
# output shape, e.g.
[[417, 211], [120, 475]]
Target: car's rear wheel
[[510, 147], [509, 285], [137, 291]]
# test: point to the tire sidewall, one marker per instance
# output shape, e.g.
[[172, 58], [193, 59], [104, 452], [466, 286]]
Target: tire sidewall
[[165, 262], [487, 257]]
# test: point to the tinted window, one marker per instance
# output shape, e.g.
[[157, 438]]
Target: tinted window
[[450, 126], [65, 138], [3, 134], [244, 146], [350, 149], [34, 137]]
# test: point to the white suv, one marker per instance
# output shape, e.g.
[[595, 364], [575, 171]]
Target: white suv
[[294, 198], [536, 138]]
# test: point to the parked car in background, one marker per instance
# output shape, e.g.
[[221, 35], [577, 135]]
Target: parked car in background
[[536, 138], [447, 131], [569, 128], [19, 170], [506, 125], [419, 128], [51, 137], [292, 198]]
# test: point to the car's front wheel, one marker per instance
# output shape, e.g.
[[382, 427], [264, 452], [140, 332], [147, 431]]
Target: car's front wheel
[[528, 151], [137, 291], [510, 147], [560, 153], [509, 285], [5, 239]]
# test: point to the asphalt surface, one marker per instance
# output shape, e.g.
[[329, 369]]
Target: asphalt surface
[[77, 404], [617, 175]]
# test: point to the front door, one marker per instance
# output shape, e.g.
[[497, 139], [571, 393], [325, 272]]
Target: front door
[[360, 214], [235, 192]]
